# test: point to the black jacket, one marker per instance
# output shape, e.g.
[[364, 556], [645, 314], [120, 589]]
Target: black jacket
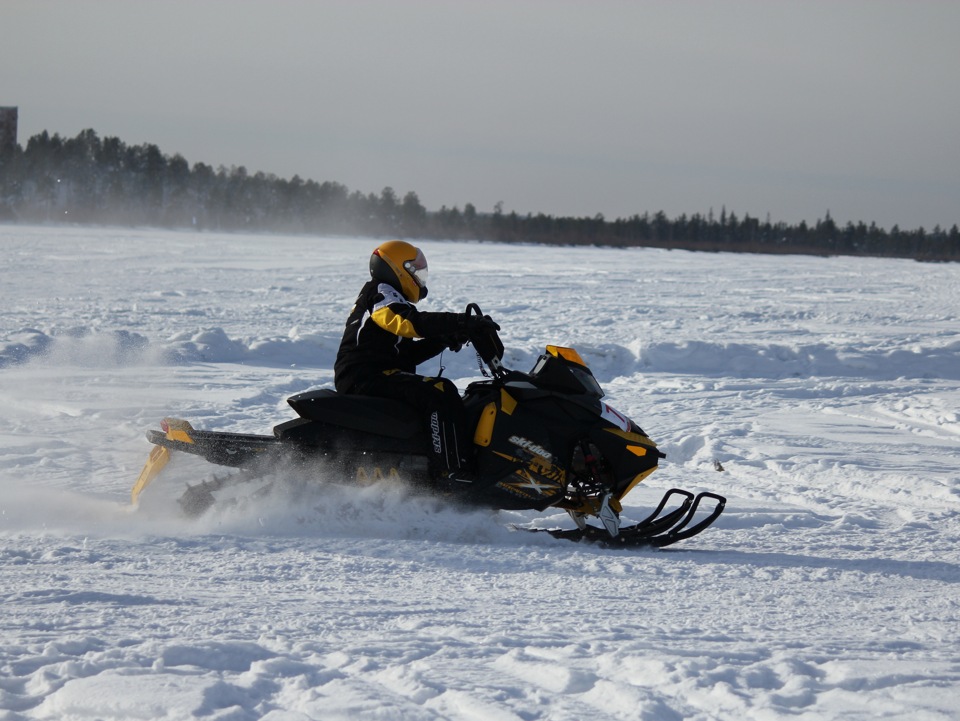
[[385, 332]]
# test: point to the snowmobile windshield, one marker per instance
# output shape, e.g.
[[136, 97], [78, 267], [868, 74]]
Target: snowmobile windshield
[[578, 367], [418, 269], [587, 381], [563, 368]]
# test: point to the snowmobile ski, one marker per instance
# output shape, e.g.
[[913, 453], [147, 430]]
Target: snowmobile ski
[[656, 530]]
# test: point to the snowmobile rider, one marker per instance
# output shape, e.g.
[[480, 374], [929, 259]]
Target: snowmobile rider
[[386, 338]]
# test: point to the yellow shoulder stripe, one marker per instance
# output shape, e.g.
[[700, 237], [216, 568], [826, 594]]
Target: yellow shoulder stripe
[[394, 323]]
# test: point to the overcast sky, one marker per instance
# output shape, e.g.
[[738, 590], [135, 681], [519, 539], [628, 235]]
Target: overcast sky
[[567, 108]]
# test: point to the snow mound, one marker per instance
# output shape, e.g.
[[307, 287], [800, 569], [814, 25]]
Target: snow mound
[[608, 361]]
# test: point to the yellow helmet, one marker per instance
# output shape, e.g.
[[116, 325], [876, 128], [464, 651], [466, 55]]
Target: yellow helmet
[[402, 266]]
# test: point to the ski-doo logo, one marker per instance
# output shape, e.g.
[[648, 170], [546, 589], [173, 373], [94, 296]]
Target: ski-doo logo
[[528, 445], [435, 433]]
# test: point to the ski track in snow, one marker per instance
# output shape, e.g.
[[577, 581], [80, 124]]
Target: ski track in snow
[[828, 389]]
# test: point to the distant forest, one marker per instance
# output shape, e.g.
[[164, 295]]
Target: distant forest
[[89, 179]]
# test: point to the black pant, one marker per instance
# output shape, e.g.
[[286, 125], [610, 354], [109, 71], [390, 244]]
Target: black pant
[[439, 403]]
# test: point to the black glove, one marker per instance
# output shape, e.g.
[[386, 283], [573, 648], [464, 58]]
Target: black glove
[[470, 324]]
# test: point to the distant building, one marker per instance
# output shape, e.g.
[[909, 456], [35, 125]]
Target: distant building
[[8, 130]]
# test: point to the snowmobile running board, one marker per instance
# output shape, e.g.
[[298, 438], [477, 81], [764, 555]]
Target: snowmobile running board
[[655, 530]]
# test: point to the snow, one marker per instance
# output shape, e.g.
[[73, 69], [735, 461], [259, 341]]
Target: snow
[[828, 389]]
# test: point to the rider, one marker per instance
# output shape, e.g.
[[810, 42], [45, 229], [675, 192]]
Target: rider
[[386, 337]]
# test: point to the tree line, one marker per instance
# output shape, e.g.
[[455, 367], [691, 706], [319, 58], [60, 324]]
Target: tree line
[[89, 179]]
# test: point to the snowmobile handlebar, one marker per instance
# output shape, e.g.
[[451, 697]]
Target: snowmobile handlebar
[[485, 339]]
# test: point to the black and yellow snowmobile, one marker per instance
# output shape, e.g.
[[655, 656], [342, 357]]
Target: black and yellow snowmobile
[[543, 439]]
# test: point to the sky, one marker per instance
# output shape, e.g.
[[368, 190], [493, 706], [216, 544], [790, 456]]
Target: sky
[[787, 110]]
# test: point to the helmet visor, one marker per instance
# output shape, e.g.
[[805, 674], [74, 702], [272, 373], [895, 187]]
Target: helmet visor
[[418, 269]]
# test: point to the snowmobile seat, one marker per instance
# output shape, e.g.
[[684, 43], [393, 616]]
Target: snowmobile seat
[[370, 414]]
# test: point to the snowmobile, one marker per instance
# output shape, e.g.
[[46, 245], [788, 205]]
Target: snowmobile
[[543, 439]]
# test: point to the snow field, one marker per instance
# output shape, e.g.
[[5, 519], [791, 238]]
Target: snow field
[[828, 390]]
